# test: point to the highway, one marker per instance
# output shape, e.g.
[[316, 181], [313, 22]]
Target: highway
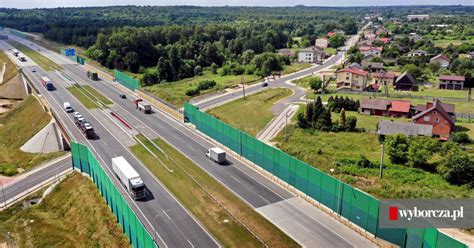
[[30, 181], [176, 227], [259, 192]]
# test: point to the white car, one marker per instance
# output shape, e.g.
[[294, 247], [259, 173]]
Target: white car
[[67, 107], [33, 70], [76, 114]]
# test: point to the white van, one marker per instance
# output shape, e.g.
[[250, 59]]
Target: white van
[[67, 107]]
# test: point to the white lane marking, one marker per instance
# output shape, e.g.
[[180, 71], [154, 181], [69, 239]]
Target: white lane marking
[[235, 179]]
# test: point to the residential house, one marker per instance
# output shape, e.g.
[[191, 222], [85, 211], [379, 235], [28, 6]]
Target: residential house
[[405, 82], [369, 50], [286, 52], [417, 53], [365, 43], [407, 128], [370, 36], [449, 82], [366, 60], [471, 55], [384, 40], [415, 37], [322, 42], [383, 107], [442, 59], [418, 17], [375, 67], [446, 106], [352, 79], [387, 78], [311, 55], [436, 116], [355, 65]]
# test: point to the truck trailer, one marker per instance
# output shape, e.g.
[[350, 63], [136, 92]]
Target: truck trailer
[[142, 106], [47, 83], [216, 154], [129, 177], [92, 75]]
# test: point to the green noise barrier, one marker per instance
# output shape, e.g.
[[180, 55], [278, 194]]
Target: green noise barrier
[[126, 80], [358, 207], [85, 162]]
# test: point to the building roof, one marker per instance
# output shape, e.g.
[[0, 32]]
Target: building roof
[[355, 65], [418, 51], [286, 52], [389, 75], [377, 104], [406, 75], [436, 106], [452, 78], [384, 40], [353, 71], [311, 49], [374, 65], [447, 106], [407, 128], [399, 106], [440, 56], [367, 48]]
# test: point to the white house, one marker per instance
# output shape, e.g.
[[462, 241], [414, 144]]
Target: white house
[[441, 59], [311, 55]]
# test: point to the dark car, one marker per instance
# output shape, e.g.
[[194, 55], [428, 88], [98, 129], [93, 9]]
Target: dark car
[[123, 96], [264, 84]]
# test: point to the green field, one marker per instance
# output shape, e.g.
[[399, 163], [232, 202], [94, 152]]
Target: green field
[[330, 50], [10, 69], [295, 67], [39, 59], [432, 92], [252, 114], [88, 96], [466, 127], [398, 181], [218, 221], [16, 127], [175, 92], [368, 122], [73, 215]]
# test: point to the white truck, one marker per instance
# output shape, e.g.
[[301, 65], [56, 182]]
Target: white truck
[[129, 177], [216, 154], [15, 52], [142, 106]]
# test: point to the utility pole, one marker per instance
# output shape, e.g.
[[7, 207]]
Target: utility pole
[[381, 161], [243, 85]]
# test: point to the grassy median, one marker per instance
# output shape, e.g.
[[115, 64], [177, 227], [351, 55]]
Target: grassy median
[[211, 214], [73, 215], [252, 114], [88, 96], [39, 59]]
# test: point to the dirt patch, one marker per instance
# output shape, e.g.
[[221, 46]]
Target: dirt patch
[[13, 89]]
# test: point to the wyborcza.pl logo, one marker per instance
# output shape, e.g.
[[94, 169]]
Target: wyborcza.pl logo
[[426, 213]]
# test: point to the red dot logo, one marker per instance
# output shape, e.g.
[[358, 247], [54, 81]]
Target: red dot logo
[[393, 213]]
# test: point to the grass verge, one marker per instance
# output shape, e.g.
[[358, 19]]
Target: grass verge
[[212, 215], [16, 127], [175, 92], [295, 67], [88, 96], [10, 69], [74, 214], [323, 149], [41, 60], [252, 114]]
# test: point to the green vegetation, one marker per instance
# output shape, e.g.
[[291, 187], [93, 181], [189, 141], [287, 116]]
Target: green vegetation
[[433, 92], [74, 214], [295, 67], [252, 114], [16, 127], [88, 96], [11, 69], [342, 150], [41, 60], [189, 184], [330, 50], [175, 92]]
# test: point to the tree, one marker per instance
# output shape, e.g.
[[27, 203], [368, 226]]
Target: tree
[[337, 40], [420, 150], [317, 110], [459, 169], [315, 84], [351, 123], [342, 120], [434, 67], [310, 113], [324, 121], [397, 146], [301, 121], [214, 68], [461, 138], [198, 70], [413, 70]]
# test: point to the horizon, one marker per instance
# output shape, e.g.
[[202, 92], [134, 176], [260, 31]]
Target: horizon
[[50, 4]]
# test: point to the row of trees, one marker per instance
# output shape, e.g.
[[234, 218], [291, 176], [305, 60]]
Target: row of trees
[[319, 117], [455, 166]]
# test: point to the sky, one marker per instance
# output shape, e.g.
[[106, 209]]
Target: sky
[[82, 3]]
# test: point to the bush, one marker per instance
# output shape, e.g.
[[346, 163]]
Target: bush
[[459, 169], [460, 138], [206, 84], [363, 162], [397, 147], [192, 92]]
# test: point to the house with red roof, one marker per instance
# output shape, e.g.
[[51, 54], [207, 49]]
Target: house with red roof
[[384, 40], [436, 116], [352, 79], [383, 107], [450, 82], [399, 108], [369, 50]]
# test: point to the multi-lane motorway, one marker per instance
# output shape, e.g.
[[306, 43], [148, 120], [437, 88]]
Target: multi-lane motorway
[[176, 227]]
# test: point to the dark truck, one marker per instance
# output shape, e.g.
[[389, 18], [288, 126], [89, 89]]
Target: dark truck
[[85, 127], [92, 75]]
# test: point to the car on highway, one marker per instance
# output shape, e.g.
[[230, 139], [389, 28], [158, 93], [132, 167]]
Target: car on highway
[[123, 96], [33, 69], [76, 114], [264, 84], [67, 107]]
